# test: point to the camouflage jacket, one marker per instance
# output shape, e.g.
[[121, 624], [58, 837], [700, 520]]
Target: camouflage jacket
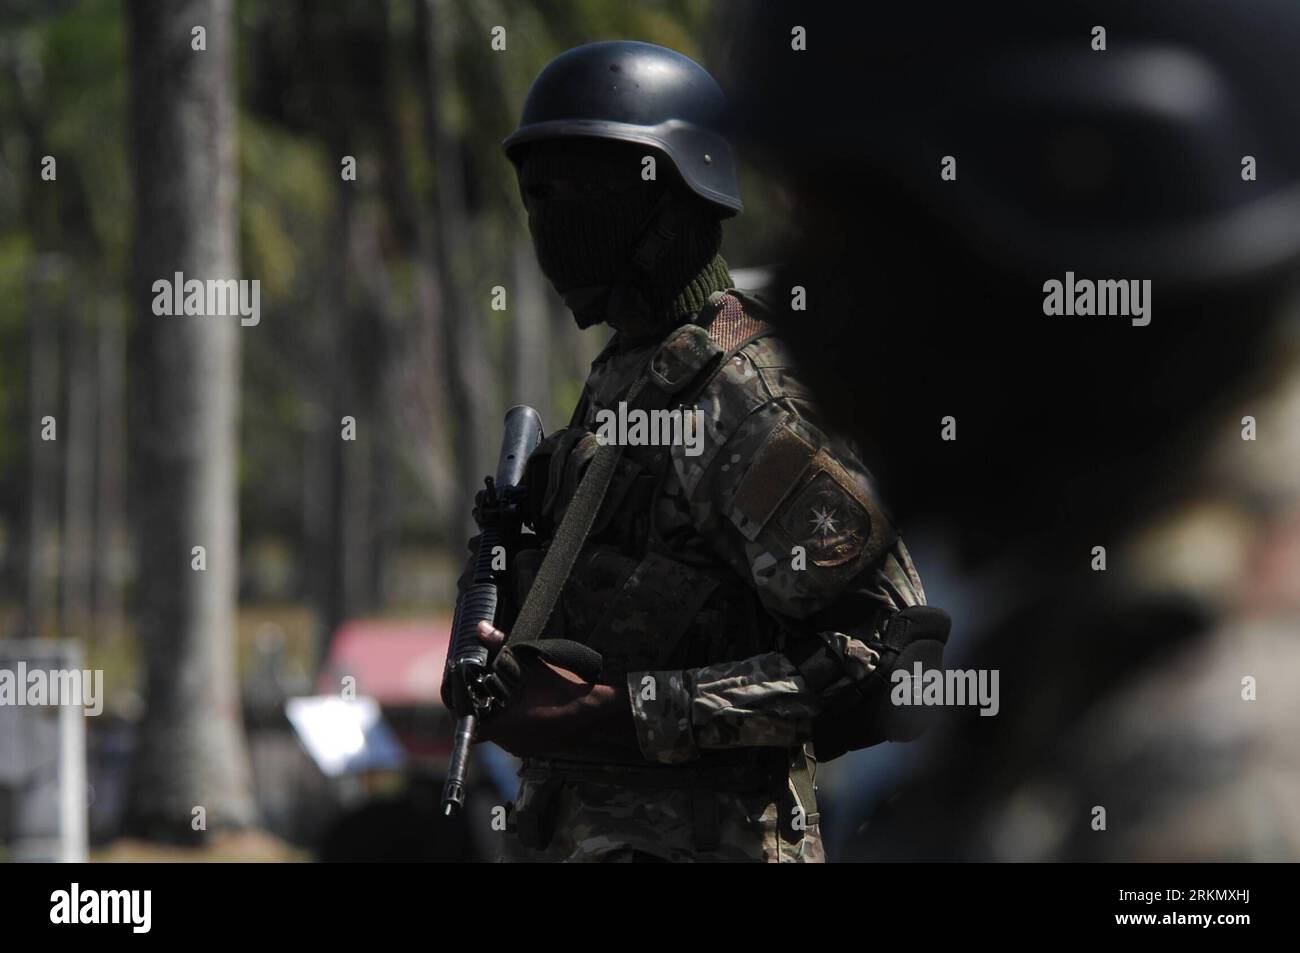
[[719, 562]]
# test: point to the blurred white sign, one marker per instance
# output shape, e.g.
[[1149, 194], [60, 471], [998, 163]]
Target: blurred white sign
[[344, 736]]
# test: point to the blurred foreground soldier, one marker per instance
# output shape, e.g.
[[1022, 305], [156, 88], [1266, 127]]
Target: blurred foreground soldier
[[1128, 542], [741, 586]]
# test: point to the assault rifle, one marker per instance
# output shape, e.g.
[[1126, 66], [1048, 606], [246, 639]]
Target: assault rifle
[[499, 514]]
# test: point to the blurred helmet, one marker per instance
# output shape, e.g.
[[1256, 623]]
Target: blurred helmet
[[1128, 159], [626, 91]]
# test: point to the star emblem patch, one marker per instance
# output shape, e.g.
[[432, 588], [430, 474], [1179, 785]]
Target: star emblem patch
[[823, 520]]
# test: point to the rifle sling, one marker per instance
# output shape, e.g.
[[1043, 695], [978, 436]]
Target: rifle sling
[[682, 359]]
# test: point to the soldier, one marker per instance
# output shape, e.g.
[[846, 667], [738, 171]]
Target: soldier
[[747, 602]]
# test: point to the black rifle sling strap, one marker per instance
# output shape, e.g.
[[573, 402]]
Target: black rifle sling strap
[[680, 360]]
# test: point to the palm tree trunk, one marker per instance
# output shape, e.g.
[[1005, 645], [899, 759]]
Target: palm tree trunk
[[191, 751]]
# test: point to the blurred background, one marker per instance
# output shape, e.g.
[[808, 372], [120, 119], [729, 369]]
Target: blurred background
[[376, 305], [331, 561]]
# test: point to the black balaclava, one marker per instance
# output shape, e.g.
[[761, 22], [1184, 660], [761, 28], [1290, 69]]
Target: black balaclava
[[588, 208]]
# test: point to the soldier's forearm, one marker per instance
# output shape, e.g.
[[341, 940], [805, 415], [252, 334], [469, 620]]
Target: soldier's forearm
[[756, 702]]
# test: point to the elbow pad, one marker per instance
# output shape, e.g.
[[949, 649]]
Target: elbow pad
[[859, 710]]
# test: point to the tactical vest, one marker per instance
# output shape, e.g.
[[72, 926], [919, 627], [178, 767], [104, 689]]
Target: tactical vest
[[647, 603]]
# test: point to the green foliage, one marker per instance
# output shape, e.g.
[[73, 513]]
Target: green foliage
[[15, 264], [86, 69], [287, 187]]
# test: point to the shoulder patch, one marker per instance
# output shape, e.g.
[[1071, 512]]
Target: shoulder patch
[[796, 494], [836, 518], [777, 468], [828, 520]]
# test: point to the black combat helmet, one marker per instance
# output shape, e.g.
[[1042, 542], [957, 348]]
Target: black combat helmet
[[625, 91]]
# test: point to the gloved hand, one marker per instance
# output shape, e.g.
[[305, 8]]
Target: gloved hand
[[551, 711]]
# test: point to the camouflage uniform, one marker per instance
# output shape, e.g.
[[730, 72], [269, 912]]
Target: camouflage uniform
[[704, 580]]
